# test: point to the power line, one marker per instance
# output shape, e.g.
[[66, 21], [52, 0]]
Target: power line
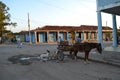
[[67, 10], [23, 20]]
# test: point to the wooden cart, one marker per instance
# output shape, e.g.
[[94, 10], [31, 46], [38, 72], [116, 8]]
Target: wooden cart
[[77, 47], [63, 46]]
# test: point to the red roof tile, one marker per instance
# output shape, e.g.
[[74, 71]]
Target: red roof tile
[[73, 28]]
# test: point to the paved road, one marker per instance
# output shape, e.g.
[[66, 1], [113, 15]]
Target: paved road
[[51, 70]]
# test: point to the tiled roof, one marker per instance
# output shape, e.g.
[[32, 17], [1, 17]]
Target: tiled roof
[[73, 28], [92, 27], [68, 28], [106, 28], [88, 27], [21, 32]]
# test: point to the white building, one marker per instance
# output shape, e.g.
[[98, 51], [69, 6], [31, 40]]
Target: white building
[[112, 7]]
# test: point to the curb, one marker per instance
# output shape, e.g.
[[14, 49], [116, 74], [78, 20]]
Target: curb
[[104, 62]]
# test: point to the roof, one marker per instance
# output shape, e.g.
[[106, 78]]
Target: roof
[[71, 28], [49, 27]]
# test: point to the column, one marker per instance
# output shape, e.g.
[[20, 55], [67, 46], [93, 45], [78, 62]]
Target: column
[[67, 35], [83, 35], [99, 28], [96, 35], [58, 35], [47, 36], [114, 31], [75, 35], [35, 37], [93, 35], [39, 36], [90, 35]]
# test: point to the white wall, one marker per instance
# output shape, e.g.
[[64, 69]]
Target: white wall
[[103, 3]]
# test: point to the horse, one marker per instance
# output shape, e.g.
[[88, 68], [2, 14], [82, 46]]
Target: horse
[[84, 47]]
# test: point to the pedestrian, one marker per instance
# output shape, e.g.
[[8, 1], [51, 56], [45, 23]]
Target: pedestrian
[[59, 40], [19, 43], [78, 40]]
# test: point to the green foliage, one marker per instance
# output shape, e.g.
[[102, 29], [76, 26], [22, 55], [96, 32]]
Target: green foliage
[[4, 15], [4, 19]]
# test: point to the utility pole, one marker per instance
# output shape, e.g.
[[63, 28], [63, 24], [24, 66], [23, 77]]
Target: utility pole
[[29, 29], [106, 23]]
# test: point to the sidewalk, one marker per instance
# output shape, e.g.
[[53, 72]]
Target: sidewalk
[[109, 55]]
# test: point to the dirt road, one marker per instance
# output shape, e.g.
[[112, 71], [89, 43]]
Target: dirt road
[[51, 70]]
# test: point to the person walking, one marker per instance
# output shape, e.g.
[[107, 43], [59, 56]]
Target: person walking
[[19, 43], [78, 40], [59, 40]]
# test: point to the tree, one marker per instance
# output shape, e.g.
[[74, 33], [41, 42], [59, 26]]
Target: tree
[[4, 19]]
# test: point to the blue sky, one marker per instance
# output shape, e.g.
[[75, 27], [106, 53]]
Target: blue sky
[[54, 12]]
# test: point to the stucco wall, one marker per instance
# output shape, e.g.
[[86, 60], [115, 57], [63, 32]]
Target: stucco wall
[[105, 4], [102, 3]]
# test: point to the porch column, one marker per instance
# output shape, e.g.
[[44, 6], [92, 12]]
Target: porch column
[[83, 35], [39, 36], [99, 28], [75, 35], [90, 35], [114, 31], [67, 35], [35, 37], [48, 37], [93, 36], [96, 37], [58, 35]]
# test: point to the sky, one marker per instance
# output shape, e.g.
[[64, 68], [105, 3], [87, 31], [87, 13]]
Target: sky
[[54, 12]]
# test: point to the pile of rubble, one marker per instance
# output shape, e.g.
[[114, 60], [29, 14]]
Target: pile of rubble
[[27, 59], [23, 59]]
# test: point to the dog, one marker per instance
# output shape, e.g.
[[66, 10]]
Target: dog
[[49, 55]]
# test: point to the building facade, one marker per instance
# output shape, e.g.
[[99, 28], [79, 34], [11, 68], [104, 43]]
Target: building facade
[[50, 34]]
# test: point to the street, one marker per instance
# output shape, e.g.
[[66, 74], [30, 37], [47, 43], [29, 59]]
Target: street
[[51, 70]]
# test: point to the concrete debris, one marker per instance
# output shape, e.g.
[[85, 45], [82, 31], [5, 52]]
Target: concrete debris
[[24, 59], [28, 59]]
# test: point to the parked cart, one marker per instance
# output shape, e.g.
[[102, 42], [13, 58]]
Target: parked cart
[[63, 47], [77, 47]]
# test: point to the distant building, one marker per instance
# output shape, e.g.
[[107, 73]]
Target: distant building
[[50, 34]]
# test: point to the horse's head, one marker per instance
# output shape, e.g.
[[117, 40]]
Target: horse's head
[[99, 48]]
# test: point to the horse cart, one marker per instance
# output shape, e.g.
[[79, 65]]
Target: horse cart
[[63, 47], [85, 47]]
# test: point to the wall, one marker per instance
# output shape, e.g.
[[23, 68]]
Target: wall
[[102, 4]]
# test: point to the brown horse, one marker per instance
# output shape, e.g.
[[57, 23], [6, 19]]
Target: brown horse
[[84, 47]]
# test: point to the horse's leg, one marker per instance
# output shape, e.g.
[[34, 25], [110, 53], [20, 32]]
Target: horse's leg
[[70, 54], [86, 56], [75, 54]]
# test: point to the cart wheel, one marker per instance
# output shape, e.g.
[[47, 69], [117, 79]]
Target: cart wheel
[[60, 55]]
